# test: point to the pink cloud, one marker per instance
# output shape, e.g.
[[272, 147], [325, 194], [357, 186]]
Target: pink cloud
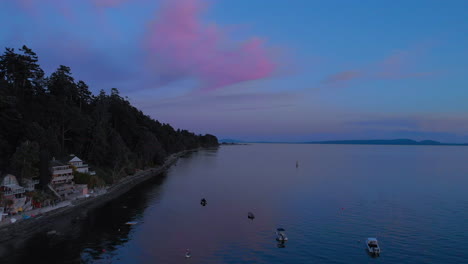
[[26, 4], [183, 46], [343, 76], [395, 66], [32, 7], [63, 6]]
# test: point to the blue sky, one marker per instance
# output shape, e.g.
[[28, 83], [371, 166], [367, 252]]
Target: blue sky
[[265, 70]]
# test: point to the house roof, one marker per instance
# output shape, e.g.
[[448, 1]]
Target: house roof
[[64, 161], [8, 180], [75, 159], [54, 163]]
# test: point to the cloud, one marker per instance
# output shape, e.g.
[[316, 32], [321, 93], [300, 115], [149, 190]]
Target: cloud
[[343, 76], [395, 66], [65, 8], [183, 46], [108, 3], [33, 7], [221, 102]]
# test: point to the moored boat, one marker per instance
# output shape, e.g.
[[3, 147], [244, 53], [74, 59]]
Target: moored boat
[[373, 246], [250, 215], [281, 234]]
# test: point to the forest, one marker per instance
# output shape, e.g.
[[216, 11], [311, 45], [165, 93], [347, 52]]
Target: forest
[[53, 116]]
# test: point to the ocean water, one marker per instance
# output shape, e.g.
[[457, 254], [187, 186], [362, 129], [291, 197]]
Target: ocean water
[[414, 199]]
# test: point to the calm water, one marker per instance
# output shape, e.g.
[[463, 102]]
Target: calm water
[[414, 199]]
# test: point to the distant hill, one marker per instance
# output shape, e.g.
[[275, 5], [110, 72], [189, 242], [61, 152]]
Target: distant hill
[[227, 140], [356, 142], [387, 142]]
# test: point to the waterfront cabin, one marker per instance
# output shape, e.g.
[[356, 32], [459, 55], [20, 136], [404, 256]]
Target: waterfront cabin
[[79, 165], [13, 193], [62, 178], [62, 173], [62, 183], [10, 187]]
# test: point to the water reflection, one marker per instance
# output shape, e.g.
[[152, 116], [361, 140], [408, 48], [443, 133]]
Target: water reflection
[[326, 205], [281, 244], [89, 236]]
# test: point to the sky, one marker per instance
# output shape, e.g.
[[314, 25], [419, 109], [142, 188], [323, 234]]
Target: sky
[[270, 70]]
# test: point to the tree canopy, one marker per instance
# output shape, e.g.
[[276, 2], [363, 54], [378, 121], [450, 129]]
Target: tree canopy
[[58, 115]]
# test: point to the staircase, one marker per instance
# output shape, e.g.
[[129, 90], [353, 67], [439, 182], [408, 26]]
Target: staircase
[[52, 189]]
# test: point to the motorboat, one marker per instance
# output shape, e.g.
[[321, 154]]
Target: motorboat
[[250, 215], [373, 245], [281, 234], [188, 254]]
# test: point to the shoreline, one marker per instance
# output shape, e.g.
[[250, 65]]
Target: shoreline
[[10, 234]]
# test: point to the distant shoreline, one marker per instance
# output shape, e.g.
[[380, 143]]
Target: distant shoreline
[[390, 142]]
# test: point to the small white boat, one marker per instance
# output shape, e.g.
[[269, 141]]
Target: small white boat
[[373, 245], [281, 235], [188, 254]]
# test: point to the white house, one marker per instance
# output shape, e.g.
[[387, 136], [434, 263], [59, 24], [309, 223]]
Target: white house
[[14, 192], [62, 182], [10, 186], [79, 165]]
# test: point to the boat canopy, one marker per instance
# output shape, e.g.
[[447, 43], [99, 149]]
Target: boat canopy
[[372, 239], [280, 229]]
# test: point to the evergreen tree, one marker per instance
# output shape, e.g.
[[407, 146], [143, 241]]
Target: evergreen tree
[[43, 117]]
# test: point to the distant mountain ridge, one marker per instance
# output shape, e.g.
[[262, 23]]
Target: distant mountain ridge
[[359, 142], [227, 140], [387, 142]]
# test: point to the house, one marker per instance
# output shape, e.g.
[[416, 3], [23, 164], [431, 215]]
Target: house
[[79, 165], [10, 187], [62, 183], [61, 172], [30, 184], [62, 178], [13, 193]]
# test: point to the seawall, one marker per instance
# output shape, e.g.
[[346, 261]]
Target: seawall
[[12, 235]]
